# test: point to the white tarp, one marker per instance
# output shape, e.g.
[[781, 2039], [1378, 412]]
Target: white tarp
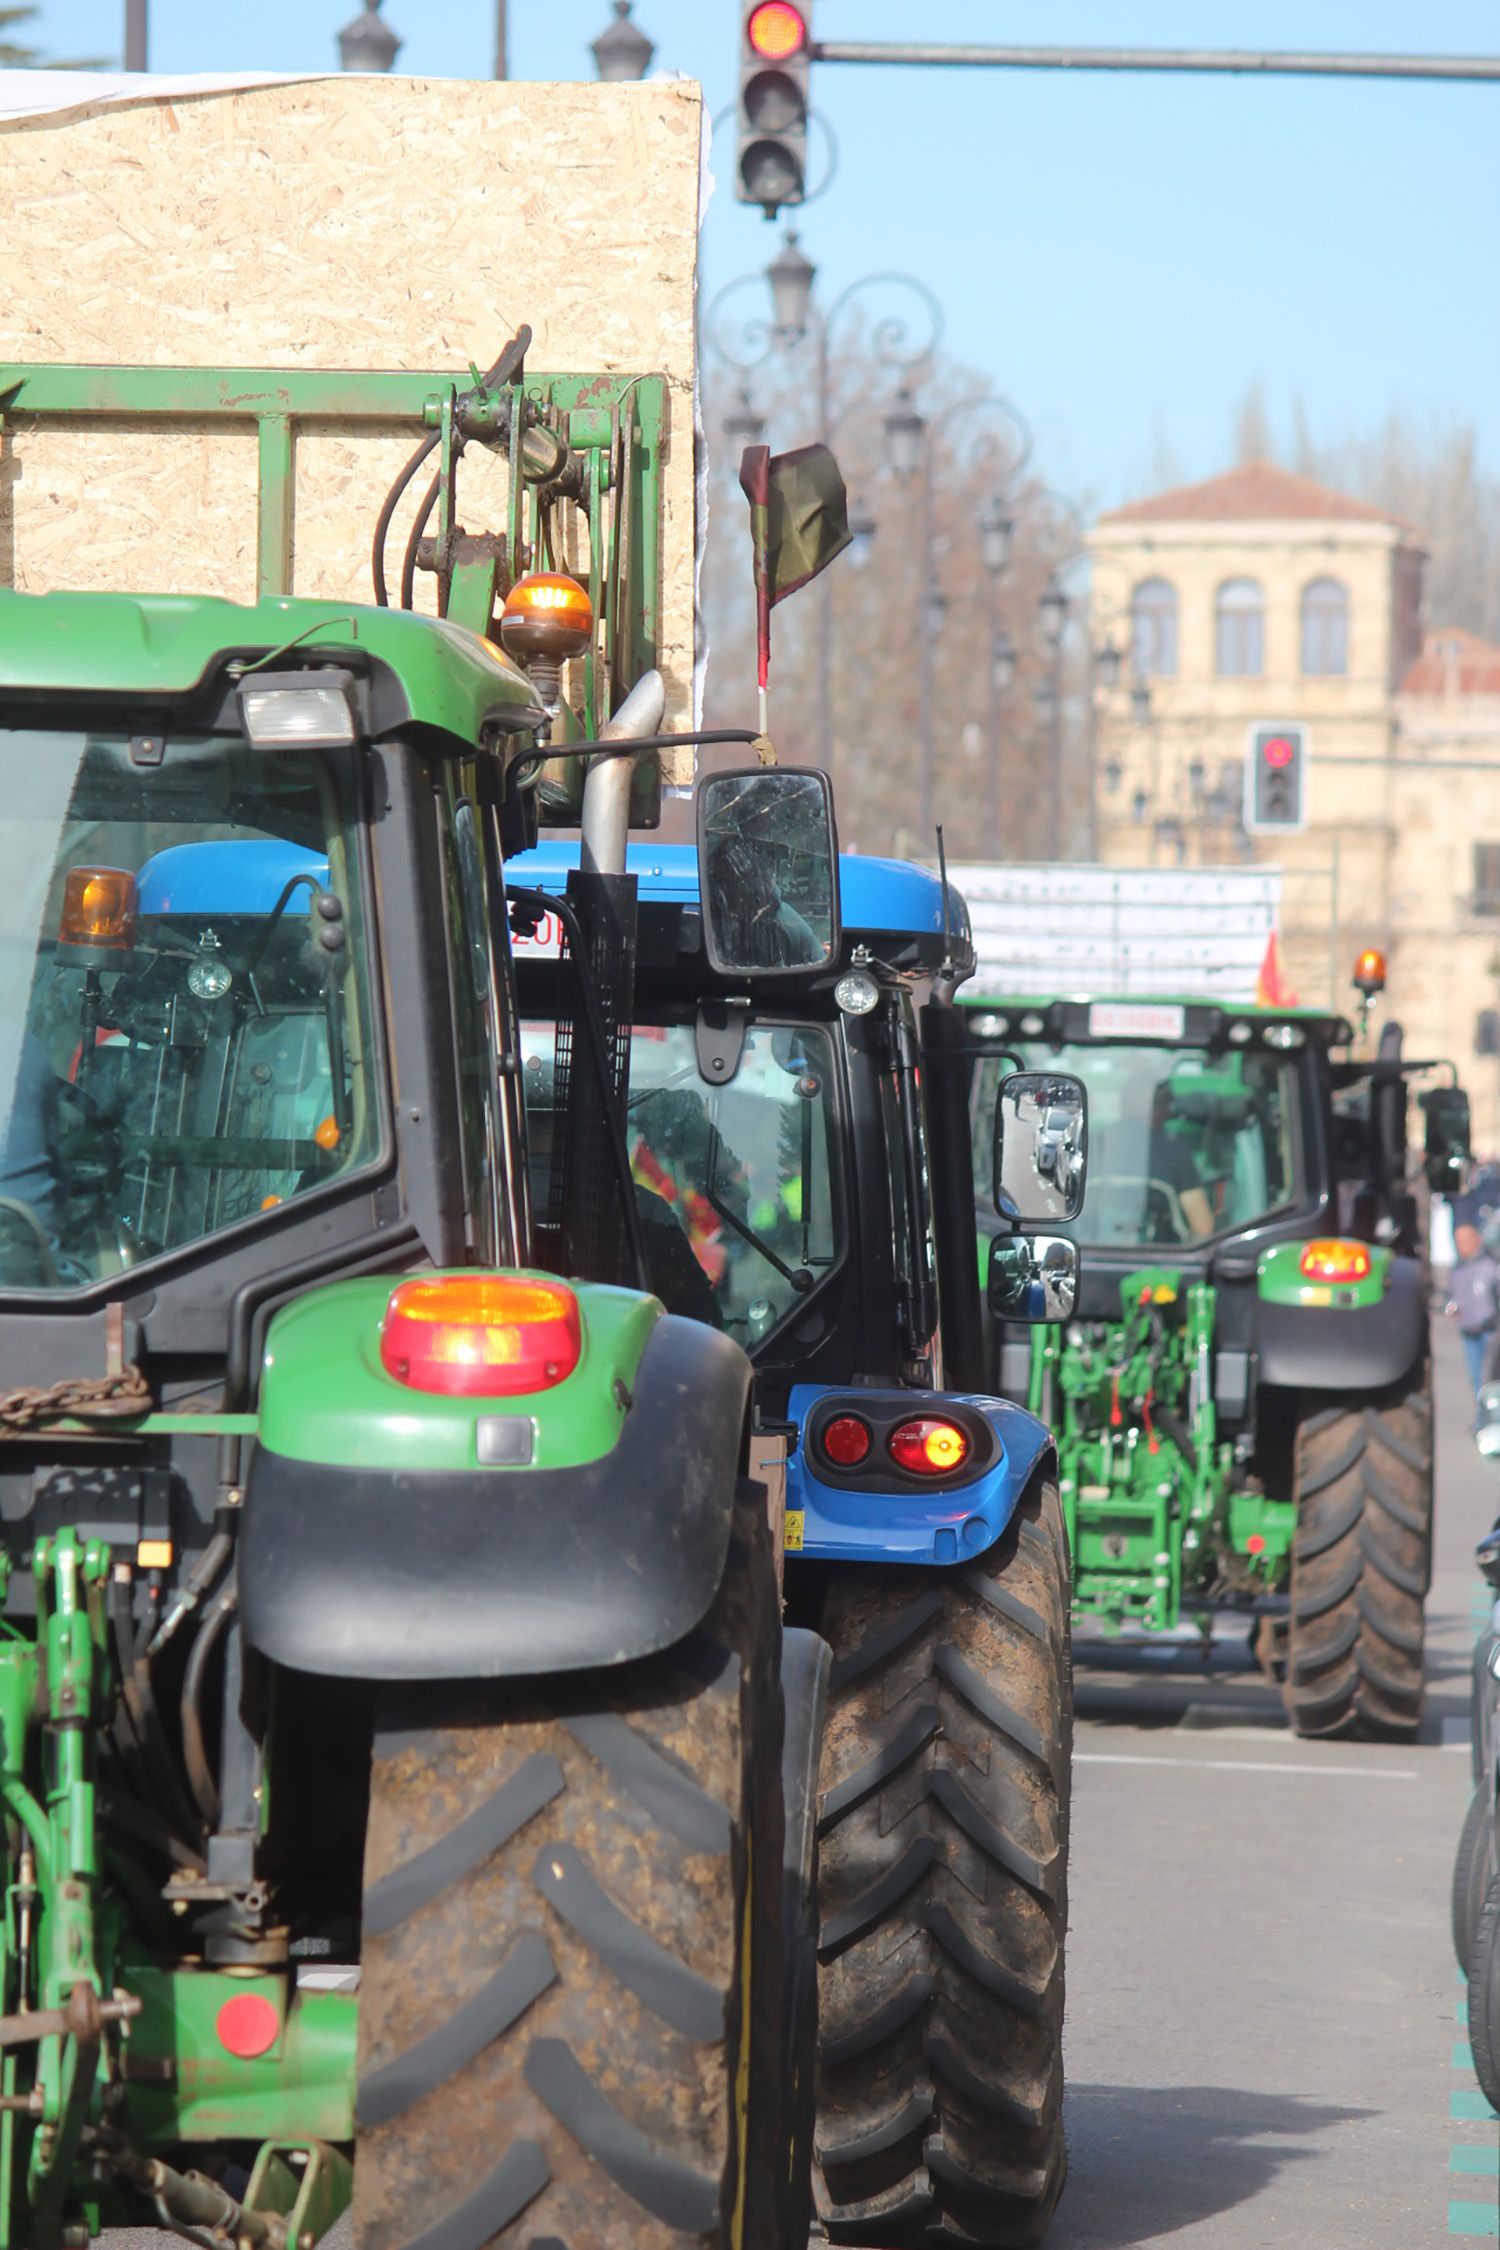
[[45, 93], [1099, 930]]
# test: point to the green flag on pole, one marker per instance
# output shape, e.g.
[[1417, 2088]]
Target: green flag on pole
[[799, 521]]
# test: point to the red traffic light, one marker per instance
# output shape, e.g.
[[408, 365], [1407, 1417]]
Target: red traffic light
[[776, 30], [1278, 751]]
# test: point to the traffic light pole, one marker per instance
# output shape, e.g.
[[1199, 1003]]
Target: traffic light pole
[[1237, 63]]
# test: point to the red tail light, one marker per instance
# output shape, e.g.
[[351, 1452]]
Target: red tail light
[[481, 1335], [928, 1447], [845, 1440], [1335, 1260]]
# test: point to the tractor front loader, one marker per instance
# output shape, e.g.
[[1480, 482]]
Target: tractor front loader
[[390, 1691]]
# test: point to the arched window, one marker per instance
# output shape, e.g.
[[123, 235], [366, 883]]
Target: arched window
[[1325, 629], [1153, 630], [1240, 630]]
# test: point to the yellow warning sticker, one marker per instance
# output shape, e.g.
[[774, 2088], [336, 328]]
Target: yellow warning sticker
[[1315, 1295], [795, 1517]]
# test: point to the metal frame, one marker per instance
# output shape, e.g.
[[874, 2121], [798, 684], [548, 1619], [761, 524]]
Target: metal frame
[[617, 422]]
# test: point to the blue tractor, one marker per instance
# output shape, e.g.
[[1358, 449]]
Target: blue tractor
[[798, 1144]]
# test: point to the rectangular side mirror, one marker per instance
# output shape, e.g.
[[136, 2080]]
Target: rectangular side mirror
[[1041, 1147], [1447, 1140], [768, 871], [1033, 1277]]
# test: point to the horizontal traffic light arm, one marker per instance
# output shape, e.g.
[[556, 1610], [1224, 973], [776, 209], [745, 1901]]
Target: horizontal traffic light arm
[[1232, 62]]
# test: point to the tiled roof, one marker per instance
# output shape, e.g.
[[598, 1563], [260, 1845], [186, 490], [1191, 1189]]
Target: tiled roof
[[1454, 662], [1257, 491]]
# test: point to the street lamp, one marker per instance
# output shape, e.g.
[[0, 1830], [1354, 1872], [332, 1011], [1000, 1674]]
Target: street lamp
[[996, 530], [791, 275], [1052, 613], [905, 429], [622, 51], [743, 425], [1140, 703], [862, 529], [1002, 663], [368, 43], [1108, 662]]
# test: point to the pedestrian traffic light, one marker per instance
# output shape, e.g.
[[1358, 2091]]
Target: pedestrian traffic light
[[1275, 777], [771, 150]]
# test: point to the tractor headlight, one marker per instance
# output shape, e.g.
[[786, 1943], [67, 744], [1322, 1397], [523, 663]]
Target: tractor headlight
[[299, 710], [857, 992]]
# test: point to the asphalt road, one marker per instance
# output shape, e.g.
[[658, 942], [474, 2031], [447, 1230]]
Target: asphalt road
[[1265, 2042]]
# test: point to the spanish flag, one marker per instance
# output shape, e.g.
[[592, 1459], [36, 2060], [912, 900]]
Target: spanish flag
[[1271, 987]]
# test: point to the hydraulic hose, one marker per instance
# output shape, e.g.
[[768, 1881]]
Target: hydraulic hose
[[194, 1750], [505, 369]]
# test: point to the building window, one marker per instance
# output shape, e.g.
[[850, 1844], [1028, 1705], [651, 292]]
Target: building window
[[1487, 1032], [1487, 878], [1325, 629], [1153, 630], [1240, 630]]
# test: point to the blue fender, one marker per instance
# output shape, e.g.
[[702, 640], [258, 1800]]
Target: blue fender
[[944, 1520]]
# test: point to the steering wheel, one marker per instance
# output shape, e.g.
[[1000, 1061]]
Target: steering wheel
[[26, 1260]]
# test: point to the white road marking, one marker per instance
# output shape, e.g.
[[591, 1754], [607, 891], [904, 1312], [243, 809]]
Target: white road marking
[[1242, 1765]]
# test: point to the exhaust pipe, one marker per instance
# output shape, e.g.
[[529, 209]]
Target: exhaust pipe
[[606, 787]]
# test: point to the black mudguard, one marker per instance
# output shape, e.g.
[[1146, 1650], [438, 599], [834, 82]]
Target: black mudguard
[[502, 1573], [1325, 1348]]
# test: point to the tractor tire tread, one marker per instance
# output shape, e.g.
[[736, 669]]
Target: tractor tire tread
[[576, 1995], [1361, 1563], [945, 1895]]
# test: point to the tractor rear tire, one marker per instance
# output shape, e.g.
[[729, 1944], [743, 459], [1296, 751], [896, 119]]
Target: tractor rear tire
[[1361, 1563], [1484, 1996], [1473, 1866], [570, 2027], [944, 1840]]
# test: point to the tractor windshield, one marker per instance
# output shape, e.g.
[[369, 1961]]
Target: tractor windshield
[[184, 1027], [1183, 1143], [733, 1184]]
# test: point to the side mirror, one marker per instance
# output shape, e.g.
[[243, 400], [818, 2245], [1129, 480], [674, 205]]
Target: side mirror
[[1447, 1142], [768, 871], [1041, 1147], [1033, 1277]]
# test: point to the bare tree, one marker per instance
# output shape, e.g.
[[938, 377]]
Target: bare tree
[[881, 607]]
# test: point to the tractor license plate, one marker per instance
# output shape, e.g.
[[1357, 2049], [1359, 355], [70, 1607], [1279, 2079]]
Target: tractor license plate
[[1124, 1019], [543, 944]]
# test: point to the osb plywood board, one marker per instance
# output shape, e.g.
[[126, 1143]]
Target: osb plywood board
[[340, 222]]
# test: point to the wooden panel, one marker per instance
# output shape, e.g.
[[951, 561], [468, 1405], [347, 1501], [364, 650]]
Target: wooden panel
[[340, 222]]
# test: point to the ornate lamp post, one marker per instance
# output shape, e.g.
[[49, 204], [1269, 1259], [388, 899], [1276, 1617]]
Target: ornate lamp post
[[368, 43], [622, 51], [913, 443], [795, 317]]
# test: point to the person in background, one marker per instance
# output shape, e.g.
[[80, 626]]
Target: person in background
[[1474, 1299]]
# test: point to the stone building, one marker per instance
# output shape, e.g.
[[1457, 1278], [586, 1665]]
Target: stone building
[[1260, 600]]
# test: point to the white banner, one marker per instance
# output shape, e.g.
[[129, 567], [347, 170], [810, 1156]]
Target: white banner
[[1085, 929]]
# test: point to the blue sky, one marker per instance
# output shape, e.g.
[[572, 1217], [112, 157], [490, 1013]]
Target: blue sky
[[1122, 256]]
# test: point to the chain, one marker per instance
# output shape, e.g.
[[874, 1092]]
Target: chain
[[89, 1398]]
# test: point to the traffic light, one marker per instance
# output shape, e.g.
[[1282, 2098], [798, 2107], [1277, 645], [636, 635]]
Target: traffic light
[[771, 150], [1276, 777]]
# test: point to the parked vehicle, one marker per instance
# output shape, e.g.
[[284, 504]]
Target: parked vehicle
[[390, 1698], [804, 1132], [1241, 1400]]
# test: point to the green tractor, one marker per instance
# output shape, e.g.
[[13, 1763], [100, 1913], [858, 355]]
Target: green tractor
[[1242, 1401], [390, 1688]]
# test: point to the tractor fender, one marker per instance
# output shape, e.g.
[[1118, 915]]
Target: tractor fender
[[478, 1573], [874, 1513], [1358, 1347]]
